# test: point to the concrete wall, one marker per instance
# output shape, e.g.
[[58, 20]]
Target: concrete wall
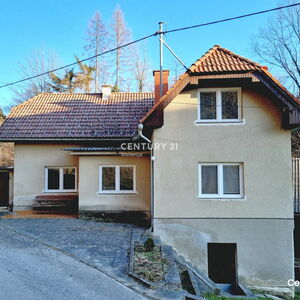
[[264, 246], [29, 170], [260, 223], [91, 199]]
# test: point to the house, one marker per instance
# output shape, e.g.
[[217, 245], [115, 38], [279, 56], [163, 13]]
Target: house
[[215, 179], [6, 172], [296, 194]]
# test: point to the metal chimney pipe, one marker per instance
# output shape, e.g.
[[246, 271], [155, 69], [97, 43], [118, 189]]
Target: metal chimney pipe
[[161, 44]]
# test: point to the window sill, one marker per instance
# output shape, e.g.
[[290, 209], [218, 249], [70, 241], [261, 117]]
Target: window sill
[[117, 193], [61, 192], [219, 122], [243, 198]]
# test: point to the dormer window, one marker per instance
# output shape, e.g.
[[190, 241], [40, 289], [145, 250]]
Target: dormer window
[[219, 105]]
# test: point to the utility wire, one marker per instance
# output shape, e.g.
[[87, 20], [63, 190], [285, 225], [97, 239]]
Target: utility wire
[[147, 37], [232, 18], [82, 60]]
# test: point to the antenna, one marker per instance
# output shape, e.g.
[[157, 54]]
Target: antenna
[[162, 43]]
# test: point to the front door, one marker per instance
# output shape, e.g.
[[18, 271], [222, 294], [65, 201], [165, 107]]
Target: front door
[[222, 262], [4, 188]]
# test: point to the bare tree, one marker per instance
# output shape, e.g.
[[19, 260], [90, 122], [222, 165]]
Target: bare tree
[[140, 69], [176, 69], [97, 42], [278, 44], [120, 35], [39, 61]]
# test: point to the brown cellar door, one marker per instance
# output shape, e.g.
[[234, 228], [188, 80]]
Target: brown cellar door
[[4, 188]]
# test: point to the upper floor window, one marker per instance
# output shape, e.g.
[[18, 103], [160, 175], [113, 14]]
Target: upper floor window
[[60, 179], [219, 105], [117, 179]]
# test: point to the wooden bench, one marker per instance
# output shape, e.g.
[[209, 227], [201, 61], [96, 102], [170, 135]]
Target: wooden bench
[[56, 203]]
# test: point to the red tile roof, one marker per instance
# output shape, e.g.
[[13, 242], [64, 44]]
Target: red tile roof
[[218, 59], [53, 115]]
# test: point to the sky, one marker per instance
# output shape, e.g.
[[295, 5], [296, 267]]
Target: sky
[[60, 25]]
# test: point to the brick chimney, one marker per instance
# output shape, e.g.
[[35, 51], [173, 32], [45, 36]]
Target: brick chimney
[[165, 83]]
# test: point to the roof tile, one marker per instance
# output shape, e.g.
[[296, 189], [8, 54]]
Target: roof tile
[[218, 59], [51, 115]]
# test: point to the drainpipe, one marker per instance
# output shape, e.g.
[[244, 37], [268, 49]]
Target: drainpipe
[[140, 135], [152, 188]]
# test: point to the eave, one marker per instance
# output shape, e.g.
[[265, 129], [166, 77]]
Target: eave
[[289, 104], [64, 139]]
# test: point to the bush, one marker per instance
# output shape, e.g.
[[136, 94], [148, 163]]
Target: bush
[[149, 245]]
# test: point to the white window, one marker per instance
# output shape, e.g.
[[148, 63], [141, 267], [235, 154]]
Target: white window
[[220, 180], [219, 105], [117, 179], [60, 179]]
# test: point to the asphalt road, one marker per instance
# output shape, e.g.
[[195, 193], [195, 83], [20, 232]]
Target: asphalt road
[[30, 270]]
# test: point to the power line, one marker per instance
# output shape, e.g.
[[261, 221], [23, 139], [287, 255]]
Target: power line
[[75, 63], [232, 18], [147, 37]]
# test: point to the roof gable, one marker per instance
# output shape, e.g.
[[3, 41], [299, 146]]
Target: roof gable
[[218, 60]]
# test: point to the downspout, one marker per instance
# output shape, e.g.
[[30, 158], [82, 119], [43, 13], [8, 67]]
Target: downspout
[[152, 158], [140, 135]]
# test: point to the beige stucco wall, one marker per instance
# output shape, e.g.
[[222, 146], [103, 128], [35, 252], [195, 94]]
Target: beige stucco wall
[[29, 170], [260, 144], [262, 223], [89, 197]]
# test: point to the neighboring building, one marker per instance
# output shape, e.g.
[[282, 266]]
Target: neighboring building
[[217, 183], [296, 194], [6, 171]]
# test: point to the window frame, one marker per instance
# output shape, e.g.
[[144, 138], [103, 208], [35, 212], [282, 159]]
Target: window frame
[[218, 92], [61, 180], [220, 194], [117, 180]]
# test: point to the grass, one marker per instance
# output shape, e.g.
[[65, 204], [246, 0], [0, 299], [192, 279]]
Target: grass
[[148, 264]]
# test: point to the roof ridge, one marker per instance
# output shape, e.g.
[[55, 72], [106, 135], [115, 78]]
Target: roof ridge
[[217, 47], [99, 93]]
